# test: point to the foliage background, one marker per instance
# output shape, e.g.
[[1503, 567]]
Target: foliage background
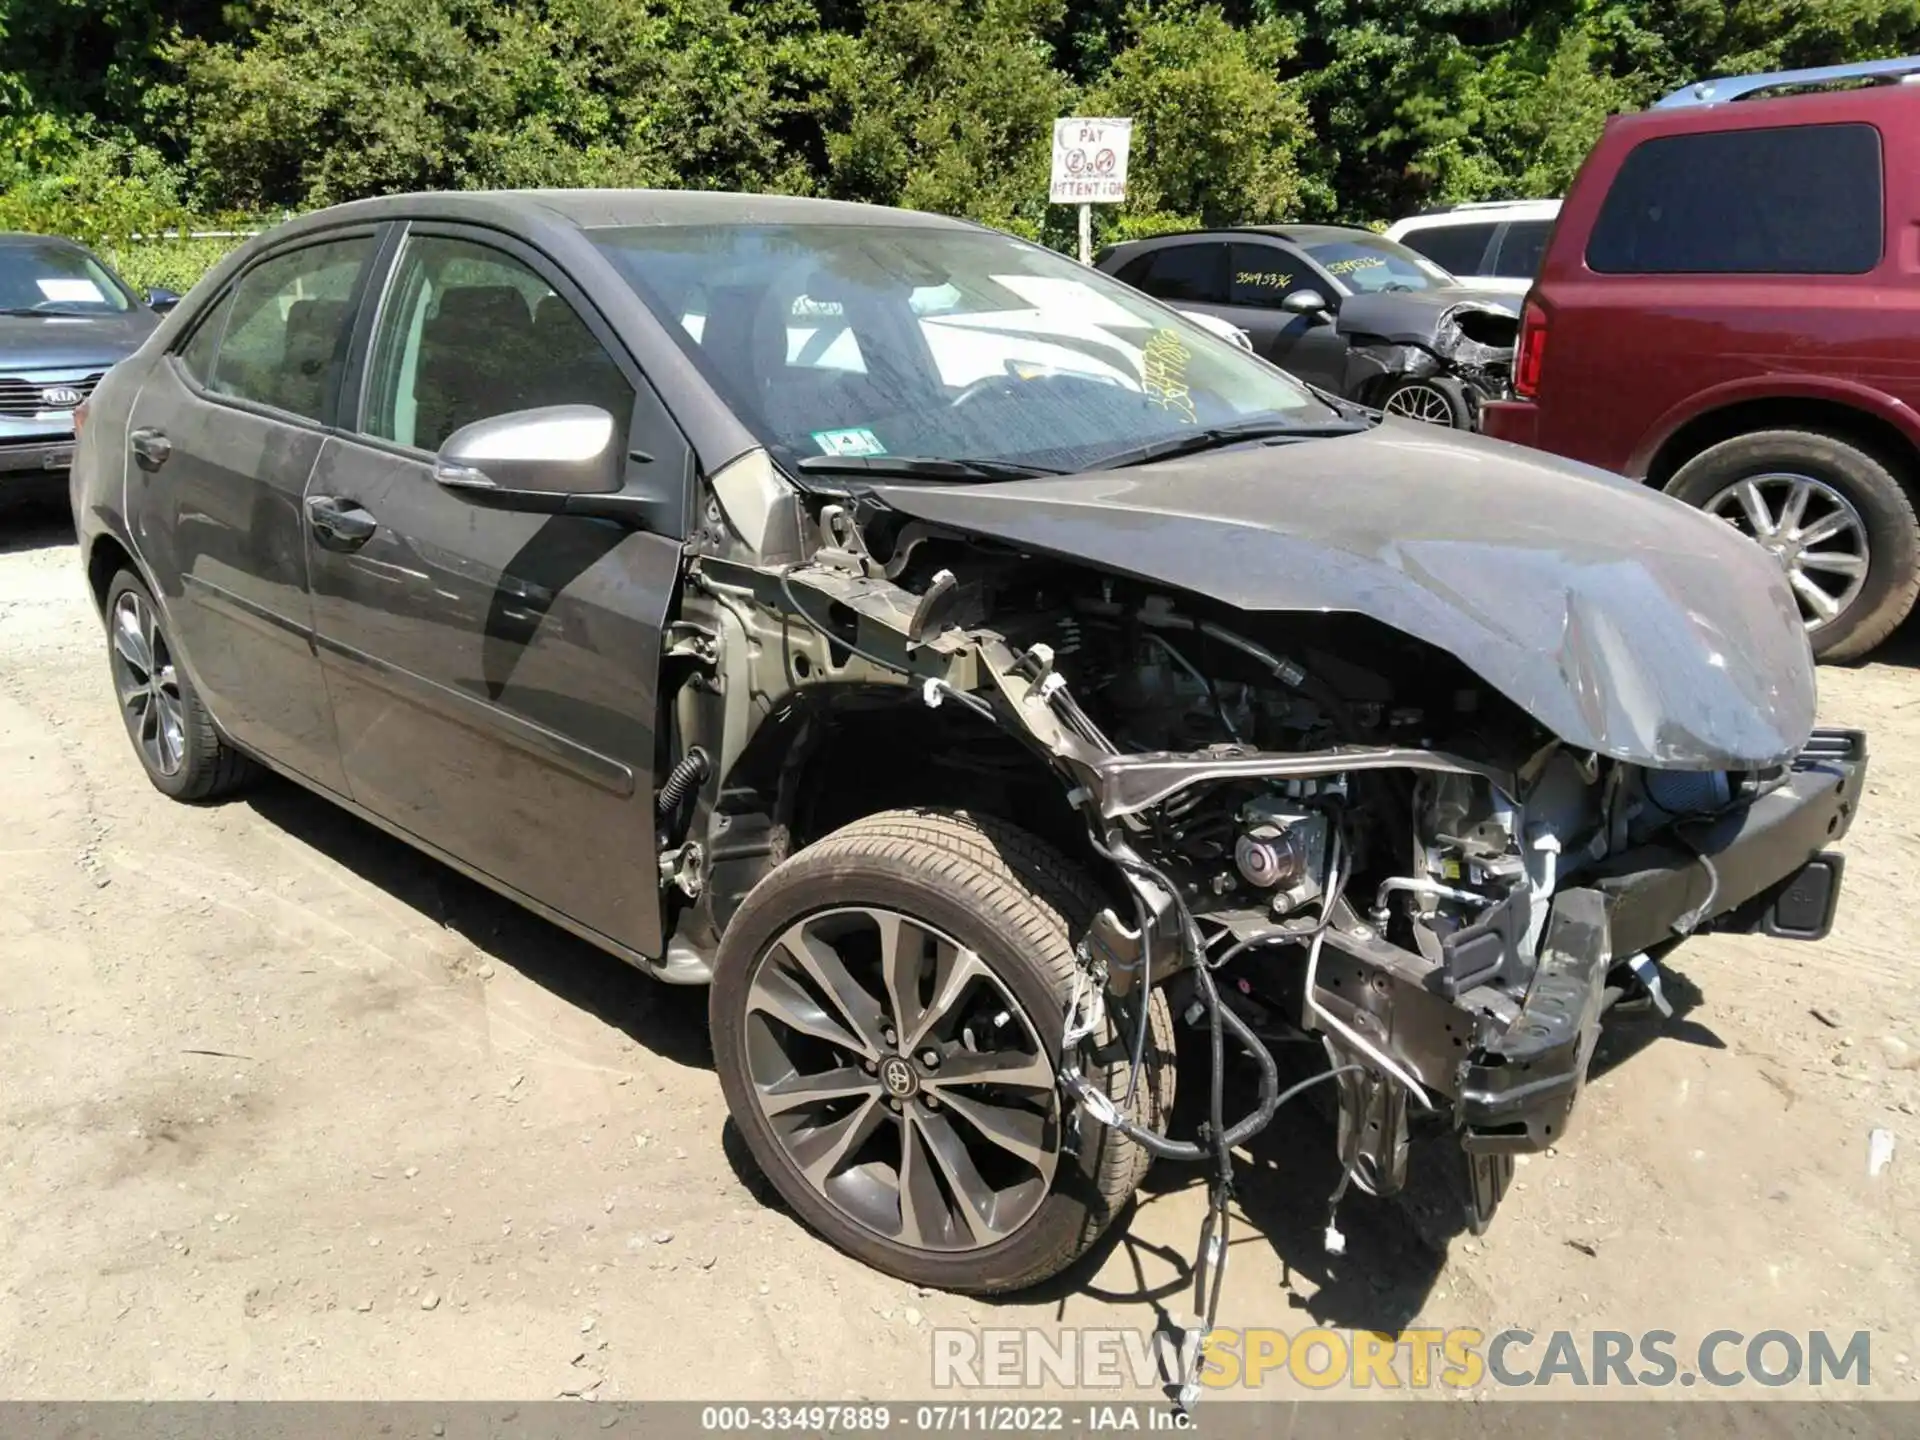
[[129, 118]]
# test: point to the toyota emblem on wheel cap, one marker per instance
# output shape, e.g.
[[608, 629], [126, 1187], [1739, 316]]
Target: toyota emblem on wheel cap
[[897, 1075]]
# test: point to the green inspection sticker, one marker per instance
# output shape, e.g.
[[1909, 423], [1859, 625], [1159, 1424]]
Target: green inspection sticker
[[849, 444]]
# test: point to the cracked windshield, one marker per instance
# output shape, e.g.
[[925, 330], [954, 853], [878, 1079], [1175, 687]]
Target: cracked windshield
[[861, 344]]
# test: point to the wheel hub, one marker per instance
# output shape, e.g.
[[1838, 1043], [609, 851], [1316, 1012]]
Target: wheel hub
[[903, 1079], [1420, 402], [1812, 531], [147, 684], [899, 1077]]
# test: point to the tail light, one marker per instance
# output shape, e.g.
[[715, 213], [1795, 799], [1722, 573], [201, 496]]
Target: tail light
[[1531, 356]]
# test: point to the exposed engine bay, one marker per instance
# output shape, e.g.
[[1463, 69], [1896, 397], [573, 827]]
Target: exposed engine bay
[[1311, 826]]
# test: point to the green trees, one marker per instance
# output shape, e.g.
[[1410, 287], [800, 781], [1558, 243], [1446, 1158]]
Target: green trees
[[1216, 132], [118, 115]]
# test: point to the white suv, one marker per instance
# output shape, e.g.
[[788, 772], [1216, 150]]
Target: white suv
[[1495, 245]]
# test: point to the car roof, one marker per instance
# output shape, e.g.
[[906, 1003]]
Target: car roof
[[607, 209], [1883, 104], [1719, 88], [1311, 234], [1298, 234], [12, 238], [1478, 210]]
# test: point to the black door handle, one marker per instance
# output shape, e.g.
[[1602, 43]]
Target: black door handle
[[150, 448], [340, 524]]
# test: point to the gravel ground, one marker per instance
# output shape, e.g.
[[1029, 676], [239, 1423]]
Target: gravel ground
[[289, 1110]]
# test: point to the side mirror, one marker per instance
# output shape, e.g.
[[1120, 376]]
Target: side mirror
[[559, 460], [161, 301], [1305, 302]]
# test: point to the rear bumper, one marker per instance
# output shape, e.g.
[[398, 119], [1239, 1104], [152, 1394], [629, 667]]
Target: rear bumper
[[1516, 421], [1760, 868]]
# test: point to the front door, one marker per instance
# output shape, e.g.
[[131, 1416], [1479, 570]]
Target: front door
[[1259, 277], [223, 437], [495, 676]]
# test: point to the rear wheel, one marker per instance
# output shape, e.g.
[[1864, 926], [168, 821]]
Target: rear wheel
[[171, 731], [1435, 401], [1839, 523], [887, 1011]]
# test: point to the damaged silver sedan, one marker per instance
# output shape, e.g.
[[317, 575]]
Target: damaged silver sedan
[[990, 682]]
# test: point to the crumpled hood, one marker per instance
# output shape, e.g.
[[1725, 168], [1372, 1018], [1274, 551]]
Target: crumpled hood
[[1416, 317], [1623, 621], [77, 342]]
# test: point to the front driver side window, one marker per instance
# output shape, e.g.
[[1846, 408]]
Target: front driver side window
[[1264, 275], [468, 332]]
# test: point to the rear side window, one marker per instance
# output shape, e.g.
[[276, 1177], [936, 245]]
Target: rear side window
[[1187, 272], [1458, 248], [1522, 249], [1791, 200], [285, 334]]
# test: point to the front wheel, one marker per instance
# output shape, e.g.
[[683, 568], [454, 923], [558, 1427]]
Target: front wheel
[[887, 1012], [1438, 400], [1841, 526]]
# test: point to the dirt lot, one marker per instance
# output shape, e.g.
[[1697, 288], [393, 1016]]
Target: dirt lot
[[291, 1111]]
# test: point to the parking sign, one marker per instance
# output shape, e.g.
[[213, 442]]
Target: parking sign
[[1090, 161]]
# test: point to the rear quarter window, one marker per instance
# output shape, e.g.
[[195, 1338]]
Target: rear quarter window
[[1786, 200], [1455, 248]]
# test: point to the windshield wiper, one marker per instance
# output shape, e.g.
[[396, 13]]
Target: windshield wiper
[[923, 467], [39, 314], [1217, 437]]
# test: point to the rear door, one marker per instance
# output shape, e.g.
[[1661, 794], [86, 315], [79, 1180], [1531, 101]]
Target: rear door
[[1191, 275], [495, 676], [223, 435]]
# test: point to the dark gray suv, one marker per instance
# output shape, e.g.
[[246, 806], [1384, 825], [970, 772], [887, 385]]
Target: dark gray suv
[[968, 666], [1351, 312], [64, 319]]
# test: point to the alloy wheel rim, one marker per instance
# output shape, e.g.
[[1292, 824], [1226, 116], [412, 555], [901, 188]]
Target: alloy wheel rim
[[1814, 533], [1420, 402], [903, 1078], [147, 684]]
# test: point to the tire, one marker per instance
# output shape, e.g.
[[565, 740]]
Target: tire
[[172, 734], [1017, 905], [1780, 460], [1436, 400]]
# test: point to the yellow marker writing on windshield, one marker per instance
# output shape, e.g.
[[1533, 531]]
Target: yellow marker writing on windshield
[[1163, 374]]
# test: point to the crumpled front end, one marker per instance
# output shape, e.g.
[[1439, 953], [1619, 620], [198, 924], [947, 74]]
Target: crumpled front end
[[1335, 831], [1425, 767], [1470, 341]]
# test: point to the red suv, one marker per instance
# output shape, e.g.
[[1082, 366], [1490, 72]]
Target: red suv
[[1729, 308]]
